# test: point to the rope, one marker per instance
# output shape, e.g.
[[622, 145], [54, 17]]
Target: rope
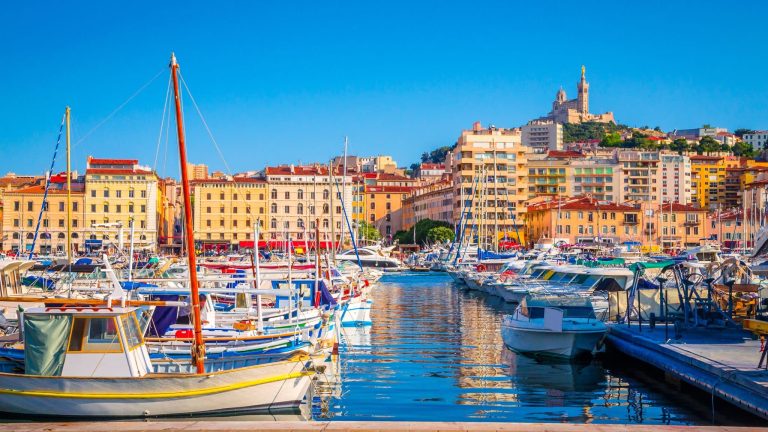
[[207, 129], [162, 122], [116, 110], [47, 185]]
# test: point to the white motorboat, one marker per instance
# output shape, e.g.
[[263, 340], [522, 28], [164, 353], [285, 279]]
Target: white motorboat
[[370, 257], [557, 325]]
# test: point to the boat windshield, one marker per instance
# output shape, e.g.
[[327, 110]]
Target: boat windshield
[[590, 281], [578, 312]]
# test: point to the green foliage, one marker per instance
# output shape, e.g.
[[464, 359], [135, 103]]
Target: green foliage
[[744, 149], [436, 156], [708, 144], [680, 145], [741, 132], [440, 235], [368, 232], [422, 229], [612, 139], [589, 131]]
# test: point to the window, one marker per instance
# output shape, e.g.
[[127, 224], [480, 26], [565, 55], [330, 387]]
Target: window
[[274, 194], [300, 223], [248, 222], [143, 194], [286, 224], [61, 223], [61, 206], [234, 209], [95, 335], [234, 196], [16, 222], [326, 194], [221, 223], [208, 196], [248, 196], [338, 209], [208, 223], [221, 195], [326, 209], [130, 208], [118, 194], [29, 222], [325, 223], [118, 208], [132, 335], [300, 209], [300, 194], [207, 209], [287, 195], [221, 209], [106, 193], [143, 208], [287, 209], [273, 224], [74, 225], [234, 223], [130, 193], [74, 206], [143, 224], [93, 193], [29, 206], [273, 208], [106, 208], [16, 206]]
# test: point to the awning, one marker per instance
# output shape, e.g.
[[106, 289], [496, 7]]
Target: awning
[[279, 244]]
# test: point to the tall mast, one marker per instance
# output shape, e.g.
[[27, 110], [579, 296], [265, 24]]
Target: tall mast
[[344, 189], [331, 182], [69, 196], [495, 202], [198, 351]]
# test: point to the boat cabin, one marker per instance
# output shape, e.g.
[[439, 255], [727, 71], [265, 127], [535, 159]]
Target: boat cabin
[[84, 342], [552, 309]]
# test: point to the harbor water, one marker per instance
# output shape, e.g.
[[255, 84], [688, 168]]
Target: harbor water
[[435, 353]]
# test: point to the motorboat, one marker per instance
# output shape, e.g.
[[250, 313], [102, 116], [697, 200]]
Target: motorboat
[[370, 257], [554, 324]]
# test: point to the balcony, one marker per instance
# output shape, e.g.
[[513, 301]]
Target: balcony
[[691, 222], [630, 221], [649, 231]]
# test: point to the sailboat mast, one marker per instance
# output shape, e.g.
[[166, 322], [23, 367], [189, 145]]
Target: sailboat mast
[[69, 196], [198, 351]]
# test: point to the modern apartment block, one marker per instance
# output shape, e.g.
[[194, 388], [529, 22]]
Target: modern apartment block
[[542, 136], [497, 158]]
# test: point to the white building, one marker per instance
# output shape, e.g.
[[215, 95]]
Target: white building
[[675, 176], [758, 140], [543, 136]]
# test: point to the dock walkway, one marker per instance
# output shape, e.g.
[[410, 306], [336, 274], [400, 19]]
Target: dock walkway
[[722, 362], [342, 426]]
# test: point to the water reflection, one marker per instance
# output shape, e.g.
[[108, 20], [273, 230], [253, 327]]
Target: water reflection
[[436, 353]]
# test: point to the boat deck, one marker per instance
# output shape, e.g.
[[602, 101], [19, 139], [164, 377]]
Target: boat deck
[[719, 361], [338, 426]]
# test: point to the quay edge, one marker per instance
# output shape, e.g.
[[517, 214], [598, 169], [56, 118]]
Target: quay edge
[[357, 426], [740, 385]]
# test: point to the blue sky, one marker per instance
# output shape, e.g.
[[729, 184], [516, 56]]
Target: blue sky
[[281, 82]]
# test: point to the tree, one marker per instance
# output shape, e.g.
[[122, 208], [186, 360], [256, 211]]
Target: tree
[[422, 228], [709, 144], [368, 232], [440, 235], [612, 139], [680, 145], [437, 155], [741, 132], [744, 149]]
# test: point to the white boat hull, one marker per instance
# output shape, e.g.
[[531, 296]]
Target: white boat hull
[[281, 385], [567, 344], [357, 313]]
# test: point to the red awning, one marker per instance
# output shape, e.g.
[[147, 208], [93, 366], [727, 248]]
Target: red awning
[[280, 244]]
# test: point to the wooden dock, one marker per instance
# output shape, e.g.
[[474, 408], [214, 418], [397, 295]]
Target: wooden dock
[[342, 426], [722, 362]]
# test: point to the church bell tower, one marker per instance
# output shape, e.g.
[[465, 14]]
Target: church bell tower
[[583, 88]]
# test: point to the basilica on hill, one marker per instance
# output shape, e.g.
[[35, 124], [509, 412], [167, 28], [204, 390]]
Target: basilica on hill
[[575, 110]]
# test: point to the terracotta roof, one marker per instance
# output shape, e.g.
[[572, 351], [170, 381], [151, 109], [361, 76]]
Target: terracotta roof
[[560, 154], [234, 180], [580, 203], [302, 170], [393, 177], [677, 207], [95, 161], [705, 158], [115, 171], [388, 189], [431, 166], [41, 190]]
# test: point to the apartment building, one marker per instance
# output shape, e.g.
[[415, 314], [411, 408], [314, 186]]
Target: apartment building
[[22, 211], [432, 201], [300, 195], [497, 159], [119, 192], [543, 136], [225, 212]]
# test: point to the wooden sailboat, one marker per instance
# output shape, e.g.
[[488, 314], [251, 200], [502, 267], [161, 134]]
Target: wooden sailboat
[[93, 362]]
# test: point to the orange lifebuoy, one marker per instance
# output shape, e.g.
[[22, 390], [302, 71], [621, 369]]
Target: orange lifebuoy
[[481, 268]]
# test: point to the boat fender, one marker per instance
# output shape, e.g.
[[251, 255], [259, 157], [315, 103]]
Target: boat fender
[[481, 268]]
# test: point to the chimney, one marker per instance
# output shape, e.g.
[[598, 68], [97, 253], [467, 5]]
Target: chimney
[[476, 126]]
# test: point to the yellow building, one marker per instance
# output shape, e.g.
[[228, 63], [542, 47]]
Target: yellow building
[[385, 211], [21, 212], [708, 180], [680, 226], [118, 192], [583, 219], [301, 195], [11, 182], [497, 159], [225, 212]]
